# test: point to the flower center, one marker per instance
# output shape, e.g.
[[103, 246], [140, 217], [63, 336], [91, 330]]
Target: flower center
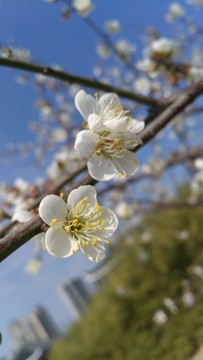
[[113, 111], [73, 226], [83, 222], [110, 147]]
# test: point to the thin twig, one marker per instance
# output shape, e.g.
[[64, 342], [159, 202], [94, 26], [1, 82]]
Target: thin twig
[[64, 76]]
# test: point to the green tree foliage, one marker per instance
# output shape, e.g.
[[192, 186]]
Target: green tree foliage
[[119, 323]]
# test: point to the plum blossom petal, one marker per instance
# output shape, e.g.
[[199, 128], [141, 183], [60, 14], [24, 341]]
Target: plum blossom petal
[[108, 101], [95, 123], [110, 224], [22, 216], [59, 244], [94, 253], [126, 165], [85, 142], [85, 104], [103, 169], [77, 195], [100, 167], [50, 206], [135, 126]]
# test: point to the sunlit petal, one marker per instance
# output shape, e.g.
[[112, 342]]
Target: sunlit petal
[[77, 195], [59, 244], [94, 252], [85, 143], [51, 207], [100, 168], [85, 104]]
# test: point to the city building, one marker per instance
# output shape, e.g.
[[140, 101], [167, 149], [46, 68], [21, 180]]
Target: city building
[[37, 330], [43, 326], [76, 293]]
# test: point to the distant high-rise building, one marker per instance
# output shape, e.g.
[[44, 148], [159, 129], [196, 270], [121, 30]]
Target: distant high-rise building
[[76, 294], [38, 329], [21, 334], [43, 325]]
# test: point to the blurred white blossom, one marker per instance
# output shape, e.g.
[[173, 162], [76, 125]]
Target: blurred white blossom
[[125, 48], [175, 11], [188, 299], [171, 305], [113, 26], [33, 266], [160, 317], [83, 7]]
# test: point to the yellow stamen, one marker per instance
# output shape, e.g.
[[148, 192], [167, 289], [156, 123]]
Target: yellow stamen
[[53, 222], [94, 241]]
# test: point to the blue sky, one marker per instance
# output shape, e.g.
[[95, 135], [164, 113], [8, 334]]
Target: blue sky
[[39, 27]]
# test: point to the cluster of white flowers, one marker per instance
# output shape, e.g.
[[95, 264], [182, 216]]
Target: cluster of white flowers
[[16, 53], [107, 143], [110, 137], [162, 48]]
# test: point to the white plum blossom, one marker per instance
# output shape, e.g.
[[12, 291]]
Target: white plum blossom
[[103, 50], [160, 317], [33, 266], [81, 223], [83, 7], [195, 73], [113, 26], [124, 211], [125, 48], [175, 12], [110, 137], [188, 299], [16, 53], [162, 47], [170, 305], [142, 85]]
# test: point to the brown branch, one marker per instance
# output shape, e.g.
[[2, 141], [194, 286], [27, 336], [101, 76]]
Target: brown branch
[[70, 78], [19, 237], [180, 101]]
